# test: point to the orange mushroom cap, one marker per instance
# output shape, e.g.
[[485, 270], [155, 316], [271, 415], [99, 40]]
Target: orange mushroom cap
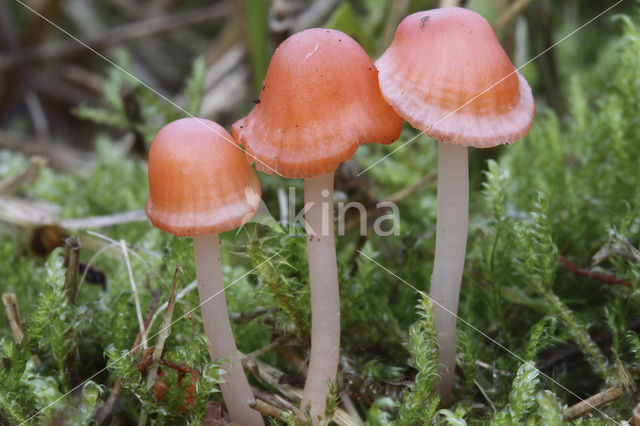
[[320, 100], [447, 75], [199, 180]]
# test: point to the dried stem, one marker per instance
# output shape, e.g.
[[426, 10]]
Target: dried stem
[[255, 354], [509, 14], [293, 359], [136, 296], [12, 309], [449, 3], [24, 177], [600, 276], [72, 263], [586, 406], [182, 293], [267, 409], [164, 332], [113, 36]]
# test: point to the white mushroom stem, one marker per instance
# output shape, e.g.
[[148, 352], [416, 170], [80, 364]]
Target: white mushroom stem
[[325, 294], [451, 243], [236, 391]]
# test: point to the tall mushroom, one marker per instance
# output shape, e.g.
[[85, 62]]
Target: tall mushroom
[[320, 100], [447, 75], [200, 185]]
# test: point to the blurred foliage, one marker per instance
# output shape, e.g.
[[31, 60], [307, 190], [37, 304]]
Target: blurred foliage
[[571, 188], [133, 105]]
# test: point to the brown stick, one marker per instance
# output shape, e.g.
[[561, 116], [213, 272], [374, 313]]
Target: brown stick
[[267, 409], [600, 276], [510, 14], [397, 12], [113, 36], [60, 156], [449, 3], [584, 407], [10, 302], [293, 359], [72, 263], [70, 288], [24, 177], [405, 192], [627, 381], [165, 330], [147, 319]]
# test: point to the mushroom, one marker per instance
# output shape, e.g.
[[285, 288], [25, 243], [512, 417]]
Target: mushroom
[[320, 100], [447, 75], [200, 185]]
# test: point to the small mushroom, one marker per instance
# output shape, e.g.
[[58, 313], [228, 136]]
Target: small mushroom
[[447, 75], [322, 102], [200, 185]]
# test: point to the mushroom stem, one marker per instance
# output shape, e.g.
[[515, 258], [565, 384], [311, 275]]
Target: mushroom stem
[[451, 242], [236, 392], [325, 294]]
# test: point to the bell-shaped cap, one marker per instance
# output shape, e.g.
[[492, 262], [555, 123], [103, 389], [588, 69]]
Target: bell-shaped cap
[[447, 75], [199, 180], [319, 101]]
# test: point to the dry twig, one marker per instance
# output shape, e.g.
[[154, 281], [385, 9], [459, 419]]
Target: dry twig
[[72, 263], [92, 222], [165, 330], [600, 276], [484, 394], [267, 409], [294, 359], [182, 293], [509, 14], [12, 309], [586, 406], [491, 368], [113, 36], [255, 354], [397, 12], [60, 156], [270, 376], [627, 381], [136, 296], [25, 177]]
